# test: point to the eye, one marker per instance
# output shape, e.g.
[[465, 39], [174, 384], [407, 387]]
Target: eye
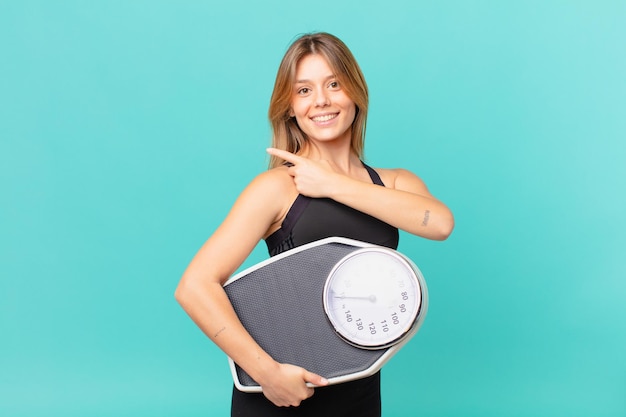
[[304, 91], [334, 85]]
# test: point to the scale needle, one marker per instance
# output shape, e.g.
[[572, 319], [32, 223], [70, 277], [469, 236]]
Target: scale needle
[[371, 297]]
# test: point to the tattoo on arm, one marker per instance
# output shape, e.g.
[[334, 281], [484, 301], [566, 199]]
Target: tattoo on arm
[[219, 331], [426, 217]]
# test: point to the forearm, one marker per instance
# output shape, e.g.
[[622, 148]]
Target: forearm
[[209, 307], [421, 215]]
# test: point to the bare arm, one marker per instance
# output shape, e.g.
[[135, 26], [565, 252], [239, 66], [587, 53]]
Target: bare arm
[[405, 202], [201, 294]]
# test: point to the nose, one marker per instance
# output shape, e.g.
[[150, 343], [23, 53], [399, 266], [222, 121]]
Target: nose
[[321, 98]]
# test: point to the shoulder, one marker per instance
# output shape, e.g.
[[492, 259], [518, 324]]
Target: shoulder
[[275, 180], [273, 189], [270, 194], [401, 179]]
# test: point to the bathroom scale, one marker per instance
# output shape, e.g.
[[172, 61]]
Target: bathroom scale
[[338, 307]]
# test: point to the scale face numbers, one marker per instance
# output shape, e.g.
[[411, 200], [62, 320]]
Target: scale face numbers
[[372, 297]]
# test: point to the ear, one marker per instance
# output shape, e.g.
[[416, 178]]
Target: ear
[[291, 113]]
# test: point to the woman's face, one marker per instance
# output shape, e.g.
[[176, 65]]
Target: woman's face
[[321, 107]]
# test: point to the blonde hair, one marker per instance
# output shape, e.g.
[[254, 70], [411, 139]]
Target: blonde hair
[[287, 135]]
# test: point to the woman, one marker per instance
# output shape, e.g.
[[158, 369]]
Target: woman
[[316, 187]]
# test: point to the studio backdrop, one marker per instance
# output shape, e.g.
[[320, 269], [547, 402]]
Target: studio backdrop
[[128, 128]]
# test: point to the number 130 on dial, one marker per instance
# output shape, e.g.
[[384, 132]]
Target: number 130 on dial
[[373, 297]]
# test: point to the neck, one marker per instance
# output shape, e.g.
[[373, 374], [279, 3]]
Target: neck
[[340, 156]]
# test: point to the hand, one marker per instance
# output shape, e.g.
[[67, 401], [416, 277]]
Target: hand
[[288, 386], [312, 178]]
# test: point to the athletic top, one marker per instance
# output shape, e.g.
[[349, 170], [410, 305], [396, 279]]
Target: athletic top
[[310, 219]]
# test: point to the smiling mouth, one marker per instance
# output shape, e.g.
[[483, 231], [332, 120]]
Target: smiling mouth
[[325, 117]]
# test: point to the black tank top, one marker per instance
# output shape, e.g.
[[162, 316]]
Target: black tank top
[[310, 219]]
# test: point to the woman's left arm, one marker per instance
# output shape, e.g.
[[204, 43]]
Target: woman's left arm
[[404, 202]]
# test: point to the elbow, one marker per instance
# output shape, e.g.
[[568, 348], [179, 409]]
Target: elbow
[[193, 289], [444, 229], [181, 291], [444, 233], [186, 293]]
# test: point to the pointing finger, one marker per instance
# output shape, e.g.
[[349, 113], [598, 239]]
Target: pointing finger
[[287, 156]]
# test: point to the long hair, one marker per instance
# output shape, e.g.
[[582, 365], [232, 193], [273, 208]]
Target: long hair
[[286, 134]]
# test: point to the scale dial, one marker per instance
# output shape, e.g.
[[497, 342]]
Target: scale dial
[[372, 297]]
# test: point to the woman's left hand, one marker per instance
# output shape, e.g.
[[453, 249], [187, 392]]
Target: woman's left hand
[[312, 178]]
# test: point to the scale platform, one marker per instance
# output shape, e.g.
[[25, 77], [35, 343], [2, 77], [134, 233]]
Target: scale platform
[[280, 302]]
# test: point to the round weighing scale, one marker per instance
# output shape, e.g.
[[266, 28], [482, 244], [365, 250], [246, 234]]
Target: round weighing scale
[[338, 307]]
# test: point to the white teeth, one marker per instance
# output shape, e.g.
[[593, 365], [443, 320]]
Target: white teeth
[[324, 118]]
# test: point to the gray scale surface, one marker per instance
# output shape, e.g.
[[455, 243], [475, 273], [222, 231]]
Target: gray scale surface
[[281, 306]]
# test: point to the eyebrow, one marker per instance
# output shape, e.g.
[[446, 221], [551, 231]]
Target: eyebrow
[[329, 77]]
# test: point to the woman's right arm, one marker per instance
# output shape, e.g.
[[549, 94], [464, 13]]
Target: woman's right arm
[[201, 293]]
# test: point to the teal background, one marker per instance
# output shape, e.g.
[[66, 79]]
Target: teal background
[[128, 128]]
